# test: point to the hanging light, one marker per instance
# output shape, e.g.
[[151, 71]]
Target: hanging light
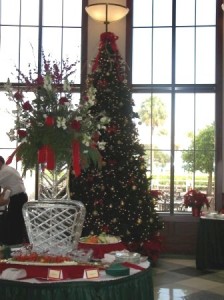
[[106, 12]]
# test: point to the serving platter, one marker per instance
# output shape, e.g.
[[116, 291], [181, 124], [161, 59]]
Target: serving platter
[[83, 240], [44, 264]]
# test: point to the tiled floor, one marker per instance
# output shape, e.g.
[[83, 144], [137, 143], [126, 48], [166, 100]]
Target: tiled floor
[[178, 278]]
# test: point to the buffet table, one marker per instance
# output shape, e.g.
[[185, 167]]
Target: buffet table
[[137, 286], [210, 244]]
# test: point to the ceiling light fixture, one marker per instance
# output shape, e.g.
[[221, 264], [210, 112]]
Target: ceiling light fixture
[[106, 12]]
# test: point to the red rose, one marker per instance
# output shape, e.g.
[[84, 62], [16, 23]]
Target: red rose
[[76, 125], [63, 100], [18, 95], [22, 133], [49, 121], [27, 106]]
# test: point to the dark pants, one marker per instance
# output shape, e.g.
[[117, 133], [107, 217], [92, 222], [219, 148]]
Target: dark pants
[[16, 233]]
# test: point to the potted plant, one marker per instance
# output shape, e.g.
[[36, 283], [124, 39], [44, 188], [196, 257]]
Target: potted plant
[[196, 200]]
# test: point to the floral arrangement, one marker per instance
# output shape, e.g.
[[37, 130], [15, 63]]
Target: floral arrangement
[[155, 194], [49, 129], [194, 198]]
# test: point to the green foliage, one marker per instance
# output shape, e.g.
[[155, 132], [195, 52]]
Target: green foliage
[[200, 154]]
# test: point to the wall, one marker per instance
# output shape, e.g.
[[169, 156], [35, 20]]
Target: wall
[[96, 28], [180, 235]]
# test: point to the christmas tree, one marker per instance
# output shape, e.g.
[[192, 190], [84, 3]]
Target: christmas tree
[[117, 197]]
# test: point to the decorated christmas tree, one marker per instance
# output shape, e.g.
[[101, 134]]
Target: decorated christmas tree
[[117, 197]]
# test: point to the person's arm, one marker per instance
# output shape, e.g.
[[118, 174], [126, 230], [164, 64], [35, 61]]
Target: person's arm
[[3, 202], [4, 197]]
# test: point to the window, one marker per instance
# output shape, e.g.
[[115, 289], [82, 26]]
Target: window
[[175, 93], [51, 26]]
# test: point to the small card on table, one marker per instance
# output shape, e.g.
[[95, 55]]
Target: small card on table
[[91, 273], [54, 274]]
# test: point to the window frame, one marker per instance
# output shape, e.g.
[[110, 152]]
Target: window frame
[[187, 88]]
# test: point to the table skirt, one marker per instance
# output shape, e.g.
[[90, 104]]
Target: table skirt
[[134, 287], [210, 244]]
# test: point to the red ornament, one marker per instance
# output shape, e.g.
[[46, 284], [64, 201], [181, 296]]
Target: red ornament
[[112, 129], [102, 83]]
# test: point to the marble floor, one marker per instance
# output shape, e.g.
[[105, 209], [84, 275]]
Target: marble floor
[[177, 278]]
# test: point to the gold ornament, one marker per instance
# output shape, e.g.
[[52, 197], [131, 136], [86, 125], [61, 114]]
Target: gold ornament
[[139, 221]]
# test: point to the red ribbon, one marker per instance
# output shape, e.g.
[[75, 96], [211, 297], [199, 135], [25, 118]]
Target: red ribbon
[[76, 157], [110, 38], [10, 158], [46, 155], [105, 38], [50, 158], [42, 157]]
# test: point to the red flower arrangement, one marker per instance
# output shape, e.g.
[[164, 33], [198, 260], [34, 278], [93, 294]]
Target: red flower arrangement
[[155, 193], [194, 198], [49, 127]]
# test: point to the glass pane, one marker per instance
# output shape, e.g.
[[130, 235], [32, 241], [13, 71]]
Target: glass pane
[[161, 121], [140, 18], [52, 38], [28, 18], [75, 98], [185, 48], [195, 164], [29, 182], [144, 128], [7, 121], [205, 55], [161, 178], [142, 50], [72, 48], [154, 121], [8, 52], [29, 45], [72, 13], [206, 12], [52, 12], [162, 15], [204, 103], [183, 180], [184, 120], [9, 15], [185, 12], [162, 39]]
